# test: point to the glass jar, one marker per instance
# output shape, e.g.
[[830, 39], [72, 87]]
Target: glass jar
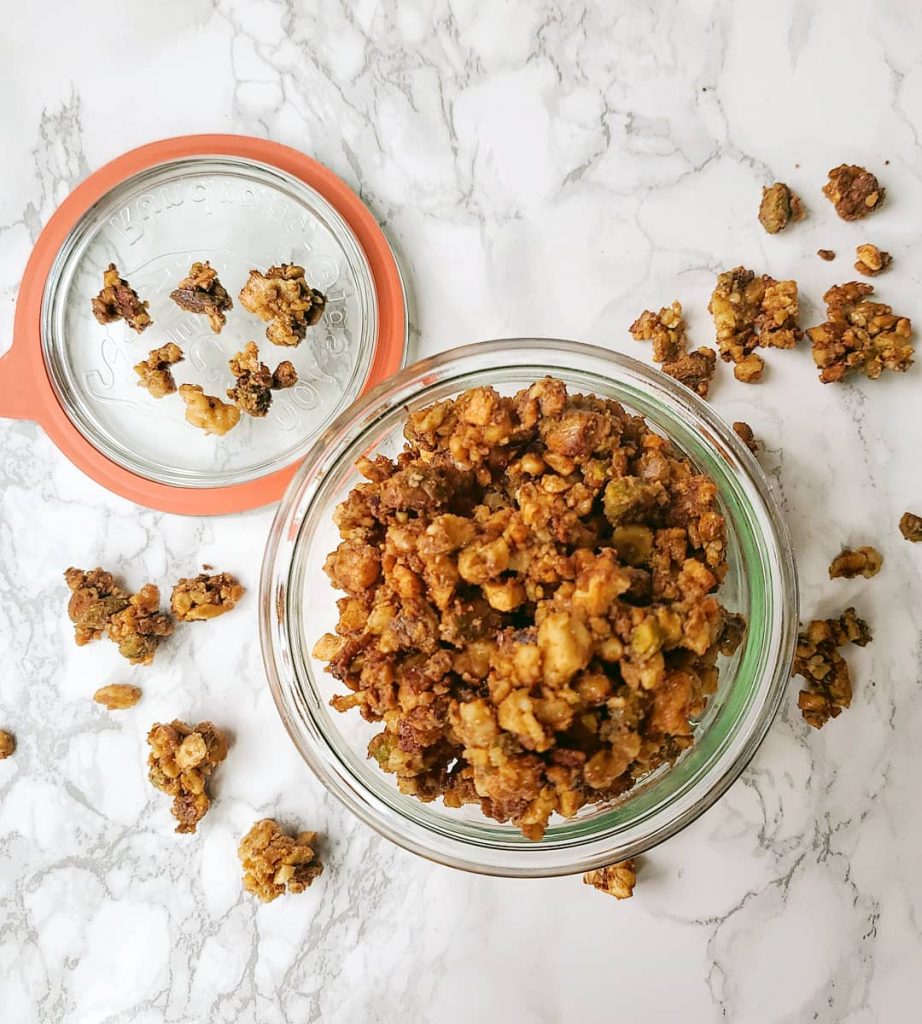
[[297, 605]]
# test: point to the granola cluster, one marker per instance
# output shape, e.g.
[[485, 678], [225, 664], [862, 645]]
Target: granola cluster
[[205, 597], [202, 292], [180, 761], [749, 312], [140, 627], [859, 336], [870, 260], [911, 526], [7, 744], [208, 412], [667, 331], [119, 301], [853, 191], [616, 880], [817, 659], [255, 381], [274, 863], [863, 561], [529, 606], [282, 298], [744, 432], [779, 206], [155, 373]]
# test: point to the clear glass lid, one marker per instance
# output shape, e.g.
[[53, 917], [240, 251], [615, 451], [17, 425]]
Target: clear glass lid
[[238, 215]]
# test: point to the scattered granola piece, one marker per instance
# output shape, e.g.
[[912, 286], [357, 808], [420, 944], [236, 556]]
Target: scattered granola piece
[[94, 599], [283, 298], [694, 369], [253, 391], [181, 759], [617, 880], [859, 336], [745, 434], [208, 412], [911, 526], [118, 696], [749, 369], [777, 322], [140, 627], [202, 292], [119, 301], [750, 311], [863, 561], [817, 659], [284, 376], [826, 254], [779, 206], [871, 261], [205, 597], [853, 191], [274, 862], [7, 744], [155, 371], [665, 329]]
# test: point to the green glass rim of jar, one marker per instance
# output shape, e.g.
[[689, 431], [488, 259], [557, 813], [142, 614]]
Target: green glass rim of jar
[[671, 798]]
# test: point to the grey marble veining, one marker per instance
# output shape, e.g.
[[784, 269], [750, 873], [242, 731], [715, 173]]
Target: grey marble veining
[[542, 168]]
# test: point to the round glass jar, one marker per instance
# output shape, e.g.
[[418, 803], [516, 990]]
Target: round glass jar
[[297, 605]]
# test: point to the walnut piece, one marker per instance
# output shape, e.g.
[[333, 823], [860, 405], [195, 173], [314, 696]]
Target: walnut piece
[[205, 597], [118, 696], [529, 604], [863, 561], [870, 260], [119, 301], [181, 759], [859, 336], [911, 526], [94, 599], [283, 298], [665, 329], [155, 371], [7, 744], [207, 412], [140, 628], [853, 191], [617, 880], [749, 369], [202, 292], [826, 254], [274, 863], [779, 206], [745, 434], [694, 369], [253, 391], [817, 659]]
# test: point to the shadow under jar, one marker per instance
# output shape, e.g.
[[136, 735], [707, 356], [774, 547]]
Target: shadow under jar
[[298, 605]]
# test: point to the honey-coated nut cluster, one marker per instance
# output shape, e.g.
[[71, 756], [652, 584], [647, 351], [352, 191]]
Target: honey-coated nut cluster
[[854, 191], [201, 292], [870, 260], [7, 744], [252, 392], [911, 526], [667, 330], [274, 863], [817, 659], [119, 301], [616, 880], [208, 412], [864, 561], [282, 298], [205, 597], [181, 759], [529, 607], [155, 373]]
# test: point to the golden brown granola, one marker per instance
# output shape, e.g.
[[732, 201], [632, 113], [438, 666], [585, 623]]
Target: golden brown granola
[[616, 880], [750, 311], [779, 206], [118, 696], [859, 336], [255, 383], [155, 371], [205, 597], [745, 434], [863, 561], [274, 863], [870, 260], [853, 191], [694, 369], [94, 599], [665, 329], [139, 628], [826, 254], [181, 759], [749, 369], [207, 412], [911, 526], [282, 298], [7, 744], [119, 301], [529, 604], [817, 659], [202, 292]]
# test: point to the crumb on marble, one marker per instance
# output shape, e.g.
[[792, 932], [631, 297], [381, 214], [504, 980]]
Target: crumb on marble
[[817, 659], [911, 526], [275, 863], [181, 759], [779, 206], [854, 191], [119, 301], [155, 373], [207, 412], [871, 261], [282, 298], [117, 696], [7, 744], [864, 561], [201, 292], [616, 880], [744, 433], [826, 254], [205, 597]]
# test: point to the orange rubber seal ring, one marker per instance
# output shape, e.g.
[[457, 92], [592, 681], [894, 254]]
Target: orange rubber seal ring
[[26, 391]]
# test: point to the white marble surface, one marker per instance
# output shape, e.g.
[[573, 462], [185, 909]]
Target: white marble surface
[[541, 167]]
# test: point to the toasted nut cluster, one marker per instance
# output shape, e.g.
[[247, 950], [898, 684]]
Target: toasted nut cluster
[[208, 412], [817, 659], [205, 597], [7, 744], [826, 254], [180, 761], [667, 331], [275, 863], [140, 628], [750, 311], [117, 696], [911, 526], [94, 599], [155, 371], [863, 561], [779, 207], [744, 433], [853, 191], [282, 298], [616, 880], [202, 292], [859, 336], [694, 369], [870, 260], [529, 604], [255, 383], [119, 301]]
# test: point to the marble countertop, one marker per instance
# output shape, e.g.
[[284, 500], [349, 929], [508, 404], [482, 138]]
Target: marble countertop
[[542, 168]]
